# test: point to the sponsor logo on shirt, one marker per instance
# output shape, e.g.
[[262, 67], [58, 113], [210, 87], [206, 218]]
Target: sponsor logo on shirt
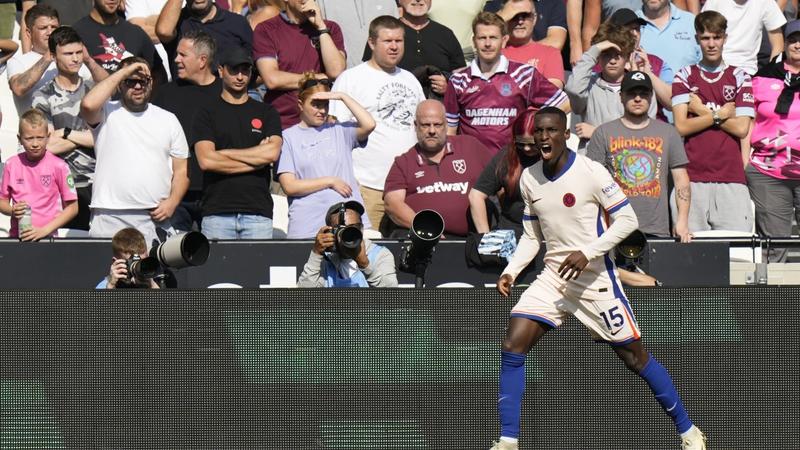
[[491, 116], [70, 182], [460, 166], [440, 186], [611, 190]]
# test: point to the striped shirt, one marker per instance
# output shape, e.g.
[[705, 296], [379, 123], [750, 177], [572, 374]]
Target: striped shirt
[[487, 107]]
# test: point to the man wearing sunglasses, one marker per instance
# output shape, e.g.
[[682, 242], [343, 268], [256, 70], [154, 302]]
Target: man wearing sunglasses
[[521, 18], [236, 141], [141, 151]]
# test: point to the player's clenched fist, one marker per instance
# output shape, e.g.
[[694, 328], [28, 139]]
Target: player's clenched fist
[[504, 285]]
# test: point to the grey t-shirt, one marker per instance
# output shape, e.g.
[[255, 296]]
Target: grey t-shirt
[[63, 110], [639, 161]]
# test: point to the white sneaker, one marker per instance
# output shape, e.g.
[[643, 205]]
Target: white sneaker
[[504, 445], [693, 440]]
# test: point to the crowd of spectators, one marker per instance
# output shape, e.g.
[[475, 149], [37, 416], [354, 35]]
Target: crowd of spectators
[[177, 115]]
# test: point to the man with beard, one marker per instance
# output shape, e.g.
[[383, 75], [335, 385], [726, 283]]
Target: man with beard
[[236, 141], [484, 98], [436, 174], [229, 30], [140, 176]]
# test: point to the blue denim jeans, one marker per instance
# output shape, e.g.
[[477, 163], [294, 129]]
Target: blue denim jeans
[[237, 226]]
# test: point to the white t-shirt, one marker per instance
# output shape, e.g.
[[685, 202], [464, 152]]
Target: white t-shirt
[[134, 150], [745, 23], [392, 101], [20, 63], [143, 8]]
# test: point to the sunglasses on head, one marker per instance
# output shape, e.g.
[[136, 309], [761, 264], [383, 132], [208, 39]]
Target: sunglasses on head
[[313, 82], [132, 82]]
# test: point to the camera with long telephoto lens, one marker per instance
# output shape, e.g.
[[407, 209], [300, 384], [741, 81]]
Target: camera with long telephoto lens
[[426, 230], [177, 252], [348, 238]]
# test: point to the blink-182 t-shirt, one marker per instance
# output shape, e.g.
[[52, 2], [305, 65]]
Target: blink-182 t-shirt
[[715, 156], [640, 161], [231, 126]]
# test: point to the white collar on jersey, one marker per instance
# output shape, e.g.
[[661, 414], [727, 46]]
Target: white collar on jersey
[[475, 69]]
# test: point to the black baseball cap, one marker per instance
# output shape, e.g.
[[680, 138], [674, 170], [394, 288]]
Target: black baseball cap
[[351, 204], [625, 16], [235, 56], [636, 79]]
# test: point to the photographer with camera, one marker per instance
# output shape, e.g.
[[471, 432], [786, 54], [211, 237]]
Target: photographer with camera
[[130, 258], [343, 257]]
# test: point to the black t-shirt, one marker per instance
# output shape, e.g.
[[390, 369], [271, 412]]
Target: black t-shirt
[[110, 44], [228, 30], [511, 206], [184, 99], [230, 127], [434, 45]]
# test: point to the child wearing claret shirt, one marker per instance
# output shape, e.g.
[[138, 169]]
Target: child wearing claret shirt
[[38, 180]]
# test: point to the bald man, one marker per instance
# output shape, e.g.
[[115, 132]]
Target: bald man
[[437, 173]]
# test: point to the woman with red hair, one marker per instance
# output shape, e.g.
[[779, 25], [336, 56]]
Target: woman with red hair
[[501, 178]]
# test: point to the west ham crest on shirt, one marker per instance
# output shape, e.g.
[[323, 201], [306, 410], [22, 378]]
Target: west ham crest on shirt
[[505, 89], [729, 92], [460, 166], [46, 179], [569, 200]]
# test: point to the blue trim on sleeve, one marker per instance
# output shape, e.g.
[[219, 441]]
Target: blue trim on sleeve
[[619, 206], [527, 217]]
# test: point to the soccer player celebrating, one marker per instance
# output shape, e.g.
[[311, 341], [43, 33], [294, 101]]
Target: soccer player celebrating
[[484, 98], [566, 198]]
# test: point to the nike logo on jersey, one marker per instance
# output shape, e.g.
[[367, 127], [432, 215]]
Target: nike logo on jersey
[[673, 407]]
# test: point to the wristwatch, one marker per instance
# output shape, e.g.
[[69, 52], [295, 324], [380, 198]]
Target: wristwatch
[[715, 116], [324, 31], [67, 131]]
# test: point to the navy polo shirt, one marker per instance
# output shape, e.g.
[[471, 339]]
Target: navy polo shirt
[[228, 30]]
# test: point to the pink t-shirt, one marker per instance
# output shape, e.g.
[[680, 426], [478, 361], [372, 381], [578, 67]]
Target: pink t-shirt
[[45, 185], [545, 59], [776, 138]]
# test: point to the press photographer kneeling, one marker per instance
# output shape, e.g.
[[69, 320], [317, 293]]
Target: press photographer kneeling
[[343, 257], [130, 265]]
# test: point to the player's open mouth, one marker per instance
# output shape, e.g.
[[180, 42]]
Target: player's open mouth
[[545, 149]]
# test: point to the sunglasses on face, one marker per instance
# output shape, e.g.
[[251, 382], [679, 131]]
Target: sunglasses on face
[[313, 82], [523, 16], [522, 146], [132, 82]]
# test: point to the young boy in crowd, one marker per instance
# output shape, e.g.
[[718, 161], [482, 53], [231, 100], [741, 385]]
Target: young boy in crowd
[[38, 181]]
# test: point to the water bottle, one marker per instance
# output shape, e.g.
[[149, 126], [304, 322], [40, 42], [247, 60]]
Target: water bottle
[[26, 223]]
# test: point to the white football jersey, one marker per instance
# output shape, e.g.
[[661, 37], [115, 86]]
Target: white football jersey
[[571, 212]]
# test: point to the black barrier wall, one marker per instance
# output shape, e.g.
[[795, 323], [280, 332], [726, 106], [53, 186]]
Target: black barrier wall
[[380, 369]]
